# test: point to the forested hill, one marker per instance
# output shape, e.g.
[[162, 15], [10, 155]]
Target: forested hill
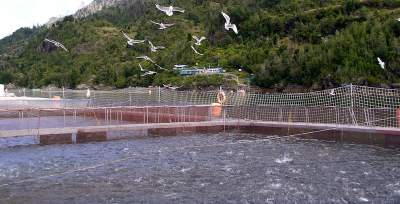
[[313, 43]]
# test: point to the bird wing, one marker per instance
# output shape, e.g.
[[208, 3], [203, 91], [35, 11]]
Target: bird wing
[[126, 36], [162, 8], [138, 41], [151, 44], [149, 59], [155, 23], [177, 9], [202, 38], [227, 18], [141, 57], [159, 66], [169, 25], [63, 47], [47, 40], [196, 38], [160, 47], [141, 68], [195, 50], [51, 41], [234, 28]]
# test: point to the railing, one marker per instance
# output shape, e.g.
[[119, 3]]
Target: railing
[[347, 105]]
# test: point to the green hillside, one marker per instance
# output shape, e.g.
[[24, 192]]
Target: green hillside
[[313, 43]]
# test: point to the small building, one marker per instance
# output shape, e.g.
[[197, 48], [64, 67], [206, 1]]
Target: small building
[[196, 71], [189, 72]]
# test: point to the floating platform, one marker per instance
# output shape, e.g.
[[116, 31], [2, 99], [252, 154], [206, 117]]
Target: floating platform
[[388, 137]]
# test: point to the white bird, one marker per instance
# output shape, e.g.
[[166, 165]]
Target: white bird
[[381, 63], [163, 26], [148, 73], [146, 58], [332, 92], [141, 68], [228, 24], [169, 10], [57, 44], [131, 41], [195, 51], [198, 40], [155, 48], [398, 19]]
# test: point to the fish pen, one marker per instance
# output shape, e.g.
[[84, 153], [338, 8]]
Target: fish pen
[[159, 145], [37, 112]]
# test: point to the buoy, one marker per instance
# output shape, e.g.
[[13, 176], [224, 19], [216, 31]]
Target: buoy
[[56, 98], [216, 109]]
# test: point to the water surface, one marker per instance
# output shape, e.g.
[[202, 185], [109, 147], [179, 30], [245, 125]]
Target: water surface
[[223, 168]]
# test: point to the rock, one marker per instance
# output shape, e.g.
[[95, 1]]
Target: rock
[[83, 87], [11, 86]]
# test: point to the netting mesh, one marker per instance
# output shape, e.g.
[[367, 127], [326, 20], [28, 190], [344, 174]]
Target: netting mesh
[[348, 105]]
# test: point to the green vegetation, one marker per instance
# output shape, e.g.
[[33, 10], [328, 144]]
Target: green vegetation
[[314, 43]]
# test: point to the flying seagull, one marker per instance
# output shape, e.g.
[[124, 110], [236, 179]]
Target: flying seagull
[[195, 51], [332, 92], [141, 68], [162, 25], [198, 40], [148, 73], [381, 63], [169, 10], [146, 58], [155, 48], [57, 44], [228, 24], [131, 41]]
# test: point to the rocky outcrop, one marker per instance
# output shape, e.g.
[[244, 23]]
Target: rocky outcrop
[[95, 6]]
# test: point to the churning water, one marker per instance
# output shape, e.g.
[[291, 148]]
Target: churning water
[[224, 168]]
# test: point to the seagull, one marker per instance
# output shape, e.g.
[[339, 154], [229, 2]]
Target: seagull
[[332, 92], [198, 40], [57, 44], [228, 24], [141, 68], [155, 48], [169, 10], [162, 25], [381, 63], [195, 51], [131, 41], [149, 73], [146, 58], [88, 93]]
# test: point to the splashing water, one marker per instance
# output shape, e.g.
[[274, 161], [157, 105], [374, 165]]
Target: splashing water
[[284, 160]]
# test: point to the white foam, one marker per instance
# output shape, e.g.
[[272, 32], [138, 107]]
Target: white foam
[[276, 186], [185, 170], [284, 160]]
